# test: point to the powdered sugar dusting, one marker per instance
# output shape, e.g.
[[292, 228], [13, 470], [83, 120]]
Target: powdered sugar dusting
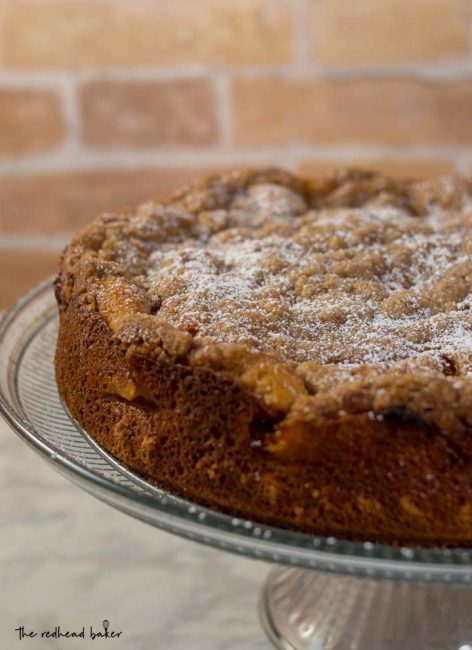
[[342, 286]]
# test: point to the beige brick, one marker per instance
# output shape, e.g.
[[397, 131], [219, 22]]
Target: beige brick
[[30, 121], [61, 203], [391, 31], [395, 168], [20, 270], [273, 112], [86, 33], [148, 114]]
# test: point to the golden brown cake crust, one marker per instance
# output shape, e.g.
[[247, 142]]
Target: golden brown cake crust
[[289, 350]]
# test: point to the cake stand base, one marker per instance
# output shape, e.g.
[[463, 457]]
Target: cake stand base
[[307, 610]]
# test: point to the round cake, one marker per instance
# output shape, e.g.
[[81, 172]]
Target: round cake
[[293, 351]]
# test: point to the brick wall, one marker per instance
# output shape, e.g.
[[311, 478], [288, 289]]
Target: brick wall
[[104, 103]]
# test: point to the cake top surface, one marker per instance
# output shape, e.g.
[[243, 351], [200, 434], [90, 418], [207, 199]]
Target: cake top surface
[[344, 285], [353, 278], [358, 270]]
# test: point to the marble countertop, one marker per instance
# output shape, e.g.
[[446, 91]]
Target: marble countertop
[[67, 559]]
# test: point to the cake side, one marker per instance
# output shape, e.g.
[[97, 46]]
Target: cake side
[[374, 450], [197, 434]]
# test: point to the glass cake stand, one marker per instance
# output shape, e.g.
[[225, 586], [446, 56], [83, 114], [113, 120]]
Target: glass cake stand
[[324, 593]]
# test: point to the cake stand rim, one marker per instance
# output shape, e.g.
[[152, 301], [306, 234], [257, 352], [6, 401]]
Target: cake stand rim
[[233, 533]]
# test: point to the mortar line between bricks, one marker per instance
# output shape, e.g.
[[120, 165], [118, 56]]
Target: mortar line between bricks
[[117, 159], [47, 243], [71, 114], [224, 111], [435, 71]]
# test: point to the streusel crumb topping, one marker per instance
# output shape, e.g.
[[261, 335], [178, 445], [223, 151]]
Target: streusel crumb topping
[[350, 271], [344, 285]]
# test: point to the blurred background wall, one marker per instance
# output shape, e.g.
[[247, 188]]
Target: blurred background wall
[[104, 103]]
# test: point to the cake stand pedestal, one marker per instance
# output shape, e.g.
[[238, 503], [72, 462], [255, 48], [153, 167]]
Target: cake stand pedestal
[[336, 595], [308, 610]]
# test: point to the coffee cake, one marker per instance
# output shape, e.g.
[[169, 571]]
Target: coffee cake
[[295, 351]]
